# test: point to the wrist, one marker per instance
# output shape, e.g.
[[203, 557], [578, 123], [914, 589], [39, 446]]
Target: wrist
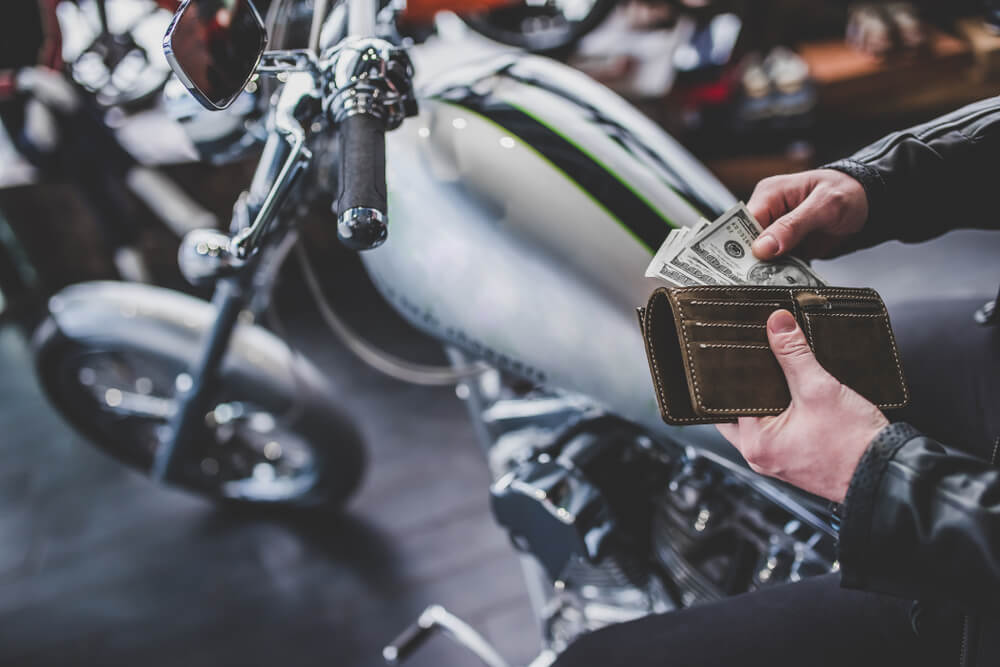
[[8, 84], [873, 189]]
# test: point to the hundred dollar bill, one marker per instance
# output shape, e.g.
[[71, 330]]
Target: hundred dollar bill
[[724, 246], [661, 266], [679, 258]]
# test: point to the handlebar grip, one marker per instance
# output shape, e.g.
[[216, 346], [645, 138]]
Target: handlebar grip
[[361, 203]]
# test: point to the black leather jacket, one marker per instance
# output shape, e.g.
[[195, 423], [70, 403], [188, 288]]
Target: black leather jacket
[[921, 520]]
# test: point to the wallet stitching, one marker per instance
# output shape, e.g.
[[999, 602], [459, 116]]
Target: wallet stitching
[[733, 346], [659, 380], [895, 356], [695, 302], [892, 345], [727, 325], [830, 291]]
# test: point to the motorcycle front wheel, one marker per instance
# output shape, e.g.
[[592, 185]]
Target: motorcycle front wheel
[[270, 435]]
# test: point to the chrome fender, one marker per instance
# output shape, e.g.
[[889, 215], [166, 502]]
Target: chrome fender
[[172, 324]]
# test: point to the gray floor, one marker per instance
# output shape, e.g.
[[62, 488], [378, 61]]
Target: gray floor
[[98, 566]]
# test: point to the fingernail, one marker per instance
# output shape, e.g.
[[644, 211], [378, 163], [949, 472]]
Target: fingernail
[[781, 321], [765, 246]]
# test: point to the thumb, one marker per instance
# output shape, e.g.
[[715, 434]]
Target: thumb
[[788, 231], [796, 358]]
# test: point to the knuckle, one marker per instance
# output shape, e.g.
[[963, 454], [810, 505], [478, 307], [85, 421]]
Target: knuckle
[[819, 389], [757, 455], [837, 200], [767, 183], [793, 345], [770, 186]]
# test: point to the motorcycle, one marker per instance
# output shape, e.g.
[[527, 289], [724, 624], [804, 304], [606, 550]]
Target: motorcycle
[[525, 201]]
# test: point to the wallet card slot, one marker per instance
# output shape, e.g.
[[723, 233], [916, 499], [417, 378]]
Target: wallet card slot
[[755, 312], [736, 379], [858, 349], [725, 332]]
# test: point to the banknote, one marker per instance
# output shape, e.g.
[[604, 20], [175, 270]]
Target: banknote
[[718, 253], [693, 272]]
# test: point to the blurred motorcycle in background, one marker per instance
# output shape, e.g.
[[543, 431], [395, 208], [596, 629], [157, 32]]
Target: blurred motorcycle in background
[[525, 202]]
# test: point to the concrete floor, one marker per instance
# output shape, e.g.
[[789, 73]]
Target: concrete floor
[[98, 566]]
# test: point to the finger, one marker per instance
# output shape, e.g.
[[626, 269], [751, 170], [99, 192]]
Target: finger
[[787, 231], [769, 200], [804, 374], [775, 196]]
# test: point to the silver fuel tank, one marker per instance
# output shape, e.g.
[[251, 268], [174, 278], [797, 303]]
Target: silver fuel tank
[[525, 202]]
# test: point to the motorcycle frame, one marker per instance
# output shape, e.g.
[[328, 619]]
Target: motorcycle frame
[[285, 158]]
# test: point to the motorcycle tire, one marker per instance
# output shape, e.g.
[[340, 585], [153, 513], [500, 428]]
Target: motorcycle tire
[[537, 28], [110, 355]]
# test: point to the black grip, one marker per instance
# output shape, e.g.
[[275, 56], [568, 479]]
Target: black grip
[[362, 180]]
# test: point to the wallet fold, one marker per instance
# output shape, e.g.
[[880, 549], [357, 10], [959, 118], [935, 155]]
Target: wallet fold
[[710, 360]]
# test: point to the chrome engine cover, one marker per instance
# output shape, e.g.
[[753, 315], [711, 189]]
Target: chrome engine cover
[[525, 202]]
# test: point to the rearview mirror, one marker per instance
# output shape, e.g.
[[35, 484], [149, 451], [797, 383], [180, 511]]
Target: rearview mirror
[[214, 46]]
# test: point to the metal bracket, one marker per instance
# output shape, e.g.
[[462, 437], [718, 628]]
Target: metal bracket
[[291, 60]]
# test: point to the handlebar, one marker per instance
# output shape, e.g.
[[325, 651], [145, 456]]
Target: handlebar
[[363, 86], [361, 202]]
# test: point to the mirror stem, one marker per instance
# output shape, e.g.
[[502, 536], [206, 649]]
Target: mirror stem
[[319, 15], [361, 18], [102, 16]]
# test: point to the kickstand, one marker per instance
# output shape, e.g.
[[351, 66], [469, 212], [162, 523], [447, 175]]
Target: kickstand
[[437, 619]]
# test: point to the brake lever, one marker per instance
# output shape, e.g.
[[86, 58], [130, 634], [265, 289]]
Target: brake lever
[[274, 63], [297, 91]]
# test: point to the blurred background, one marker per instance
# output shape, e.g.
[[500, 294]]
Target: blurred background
[[106, 166]]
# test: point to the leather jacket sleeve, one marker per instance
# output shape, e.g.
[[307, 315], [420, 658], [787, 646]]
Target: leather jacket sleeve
[[923, 521], [929, 179]]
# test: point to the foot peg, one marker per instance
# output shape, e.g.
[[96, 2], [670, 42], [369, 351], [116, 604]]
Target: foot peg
[[436, 619]]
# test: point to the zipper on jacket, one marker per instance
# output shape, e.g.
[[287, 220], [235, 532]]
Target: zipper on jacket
[[964, 648]]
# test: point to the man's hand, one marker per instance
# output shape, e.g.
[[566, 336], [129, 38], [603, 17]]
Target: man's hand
[[812, 212], [817, 442]]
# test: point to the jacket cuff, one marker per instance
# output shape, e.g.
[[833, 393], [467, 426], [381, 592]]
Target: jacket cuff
[[859, 505], [875, 191], [8, 84]]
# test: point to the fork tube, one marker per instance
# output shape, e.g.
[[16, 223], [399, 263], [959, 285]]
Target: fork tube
[[319, 18], [361, 18], [189, 420]]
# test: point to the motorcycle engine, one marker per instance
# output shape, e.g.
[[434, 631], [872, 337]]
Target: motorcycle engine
[[623, 526]]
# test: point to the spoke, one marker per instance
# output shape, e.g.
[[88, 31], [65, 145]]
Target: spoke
[[132, 404]]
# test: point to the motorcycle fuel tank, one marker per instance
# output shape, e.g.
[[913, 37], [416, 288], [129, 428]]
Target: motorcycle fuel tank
[[525, 203]]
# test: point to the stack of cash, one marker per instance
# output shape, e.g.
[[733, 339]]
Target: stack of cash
[[718, 253]]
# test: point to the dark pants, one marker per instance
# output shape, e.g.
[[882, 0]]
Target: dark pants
[[953, 368]]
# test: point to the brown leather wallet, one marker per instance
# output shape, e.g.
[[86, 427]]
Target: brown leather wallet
[[710, 360]]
